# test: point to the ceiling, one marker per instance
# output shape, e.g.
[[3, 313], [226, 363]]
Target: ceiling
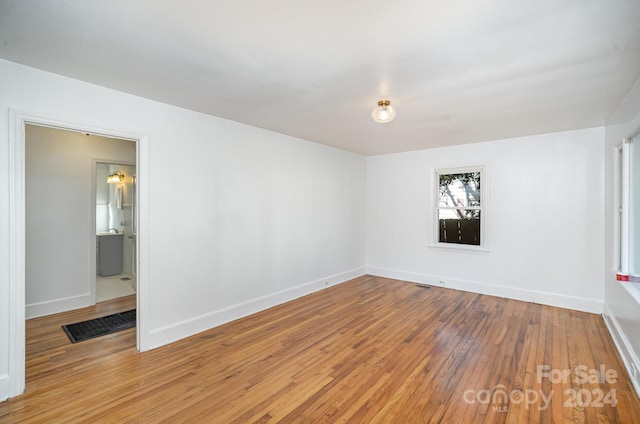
[[456, 71]]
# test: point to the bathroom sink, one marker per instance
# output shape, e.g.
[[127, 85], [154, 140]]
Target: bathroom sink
[[108, 233]]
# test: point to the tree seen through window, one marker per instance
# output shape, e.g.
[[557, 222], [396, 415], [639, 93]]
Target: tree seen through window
[[459, 207]]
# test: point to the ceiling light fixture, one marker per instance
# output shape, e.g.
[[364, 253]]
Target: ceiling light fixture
[[384, 112], [116, 177]]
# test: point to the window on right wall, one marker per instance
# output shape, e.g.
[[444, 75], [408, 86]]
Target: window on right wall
[[627, 200], [626, 234], [459, 206]]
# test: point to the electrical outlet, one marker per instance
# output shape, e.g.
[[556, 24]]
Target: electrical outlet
[[326, 283], [441, 283], [633, 372]]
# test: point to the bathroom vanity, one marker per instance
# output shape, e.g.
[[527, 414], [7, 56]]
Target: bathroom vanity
[[110, 253]]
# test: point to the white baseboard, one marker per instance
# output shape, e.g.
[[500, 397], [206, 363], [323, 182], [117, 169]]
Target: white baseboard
[[543, 298], [49, 307], [4, 388], [432, 280], [171, 333], [631, 361]]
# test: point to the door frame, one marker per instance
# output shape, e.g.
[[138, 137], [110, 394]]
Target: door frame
[[17, 235]]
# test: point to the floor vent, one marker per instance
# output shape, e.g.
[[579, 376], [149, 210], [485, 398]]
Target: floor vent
[[423, 286]]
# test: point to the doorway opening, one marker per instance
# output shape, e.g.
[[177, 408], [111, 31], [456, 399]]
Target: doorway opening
[[24, 301], [60, 272], [116, 232]]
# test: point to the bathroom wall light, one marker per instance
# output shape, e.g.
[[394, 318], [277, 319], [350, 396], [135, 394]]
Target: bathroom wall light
[[384, 112], [115, 177]]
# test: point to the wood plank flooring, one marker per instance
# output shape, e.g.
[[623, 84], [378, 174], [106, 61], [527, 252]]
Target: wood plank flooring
[[371, 350]]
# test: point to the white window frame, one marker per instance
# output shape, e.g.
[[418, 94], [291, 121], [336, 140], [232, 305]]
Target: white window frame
[[623, 249], [620, 202], [471, 248], [624, 225]]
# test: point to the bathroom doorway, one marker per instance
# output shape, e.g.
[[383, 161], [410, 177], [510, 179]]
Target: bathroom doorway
[[116, 233]]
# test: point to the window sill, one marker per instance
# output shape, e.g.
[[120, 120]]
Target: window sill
[[461, 248], [633, 289]]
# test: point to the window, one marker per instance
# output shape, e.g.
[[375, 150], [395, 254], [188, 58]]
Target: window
[[626, 246], [459, 206], [634, 206], [627, 203], [619, 215]]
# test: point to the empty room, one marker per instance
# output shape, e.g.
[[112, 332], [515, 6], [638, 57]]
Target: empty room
[[320, 212]]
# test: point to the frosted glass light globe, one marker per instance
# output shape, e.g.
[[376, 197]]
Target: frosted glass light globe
[[384, 112]]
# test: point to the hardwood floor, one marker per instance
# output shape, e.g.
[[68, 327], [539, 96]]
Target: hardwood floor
[[371, 350]]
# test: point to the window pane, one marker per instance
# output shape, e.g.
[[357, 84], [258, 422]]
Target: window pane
[[461, 226], [459, 190], [619, 205]]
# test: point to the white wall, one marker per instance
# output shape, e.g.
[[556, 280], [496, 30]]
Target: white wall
[[543, 199], [622, 309], [252, 218]]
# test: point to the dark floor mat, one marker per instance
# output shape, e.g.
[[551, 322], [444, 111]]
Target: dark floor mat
[[100, 326]]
